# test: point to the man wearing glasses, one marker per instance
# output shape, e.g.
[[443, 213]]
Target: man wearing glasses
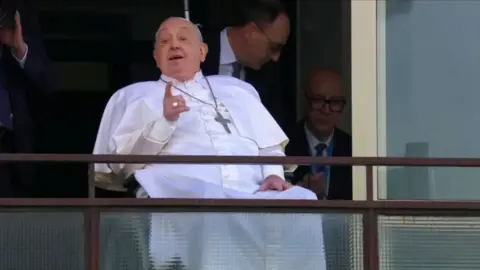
[[242, 49], [317, 135]]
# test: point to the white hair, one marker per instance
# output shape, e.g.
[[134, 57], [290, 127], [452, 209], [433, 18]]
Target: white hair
[[197, 27]]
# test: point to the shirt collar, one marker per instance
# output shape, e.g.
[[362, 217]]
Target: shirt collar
[[227, 56], [198, 78], [313, 141]]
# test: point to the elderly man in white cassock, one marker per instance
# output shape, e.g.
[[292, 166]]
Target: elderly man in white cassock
[[186, 113]]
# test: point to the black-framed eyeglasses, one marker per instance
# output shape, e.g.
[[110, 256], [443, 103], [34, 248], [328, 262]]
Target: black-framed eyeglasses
[[273, 46], [334, 104]]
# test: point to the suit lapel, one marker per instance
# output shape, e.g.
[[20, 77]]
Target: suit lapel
[[334, 170], [251, 76], [340, 149], [299, 144], [300, 147], [337, 172]]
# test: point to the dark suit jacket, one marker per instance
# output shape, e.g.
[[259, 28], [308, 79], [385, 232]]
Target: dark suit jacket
[[26, 87], [266, 81], [340, 176]]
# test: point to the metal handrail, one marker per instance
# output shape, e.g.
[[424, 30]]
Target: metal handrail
[[305, 160], [370, 208], [382, 207]]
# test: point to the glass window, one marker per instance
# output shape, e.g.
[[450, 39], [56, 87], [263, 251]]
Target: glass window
[[428, 80]]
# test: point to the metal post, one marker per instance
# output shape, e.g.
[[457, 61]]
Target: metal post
[[370, 229], [92, 226], [186, 9]]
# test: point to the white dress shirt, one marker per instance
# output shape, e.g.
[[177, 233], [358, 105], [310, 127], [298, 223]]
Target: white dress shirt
[[227, 57], [313, 142]]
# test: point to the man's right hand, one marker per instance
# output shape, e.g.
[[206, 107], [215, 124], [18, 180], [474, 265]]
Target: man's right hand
[[315, 183], [173, 106]]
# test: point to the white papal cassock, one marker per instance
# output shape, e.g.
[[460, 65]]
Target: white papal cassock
[[133, 123]]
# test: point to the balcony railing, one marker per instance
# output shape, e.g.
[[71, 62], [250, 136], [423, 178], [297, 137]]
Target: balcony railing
[[370, 209]]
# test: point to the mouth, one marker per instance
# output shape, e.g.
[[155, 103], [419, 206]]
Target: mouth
[[324, 119], [175, 57]]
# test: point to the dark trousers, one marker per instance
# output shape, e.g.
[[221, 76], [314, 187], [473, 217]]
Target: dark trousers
[[7, 174]]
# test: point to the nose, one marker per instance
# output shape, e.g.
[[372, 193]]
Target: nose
[[326, 109], [174, 44]]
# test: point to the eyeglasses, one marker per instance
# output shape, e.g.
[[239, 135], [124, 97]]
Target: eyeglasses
[[273, 46], [334, 104]]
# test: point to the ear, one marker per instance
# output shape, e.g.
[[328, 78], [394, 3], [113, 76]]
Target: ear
[[203, 52], [250, 29], [154, 54]]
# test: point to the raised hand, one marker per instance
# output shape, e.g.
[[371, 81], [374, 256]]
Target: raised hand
[[173, 106], [13, 38]]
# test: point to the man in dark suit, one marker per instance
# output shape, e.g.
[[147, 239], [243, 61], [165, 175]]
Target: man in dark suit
[[317, 135], [25, 71], [243, 49]]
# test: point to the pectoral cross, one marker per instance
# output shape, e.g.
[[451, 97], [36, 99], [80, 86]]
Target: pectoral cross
[[223, 121]]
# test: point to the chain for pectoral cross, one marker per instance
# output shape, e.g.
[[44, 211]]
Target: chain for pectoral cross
[[219, 118]]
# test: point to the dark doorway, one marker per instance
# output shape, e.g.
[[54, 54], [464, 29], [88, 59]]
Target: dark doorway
[[97, 48]]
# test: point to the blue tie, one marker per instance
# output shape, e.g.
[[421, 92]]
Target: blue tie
[[319, 153], [5, 107]]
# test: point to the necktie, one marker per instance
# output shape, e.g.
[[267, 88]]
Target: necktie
[[5, 107], [237, 68], [319, 153]]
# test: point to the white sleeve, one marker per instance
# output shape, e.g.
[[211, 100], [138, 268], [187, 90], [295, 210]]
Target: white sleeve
[[21, 61], [154, 137], [142, 130], [268, 170]]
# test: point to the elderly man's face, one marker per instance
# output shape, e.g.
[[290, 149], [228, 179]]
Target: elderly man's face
[[178, 49], [325, 100]]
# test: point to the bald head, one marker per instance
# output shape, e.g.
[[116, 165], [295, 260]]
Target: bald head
[[325, 101], [324, 82], [179, 48]]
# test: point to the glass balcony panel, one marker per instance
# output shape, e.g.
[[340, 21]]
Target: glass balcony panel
[[429, 243], [42, 240], [220, 241], [428, 183]]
